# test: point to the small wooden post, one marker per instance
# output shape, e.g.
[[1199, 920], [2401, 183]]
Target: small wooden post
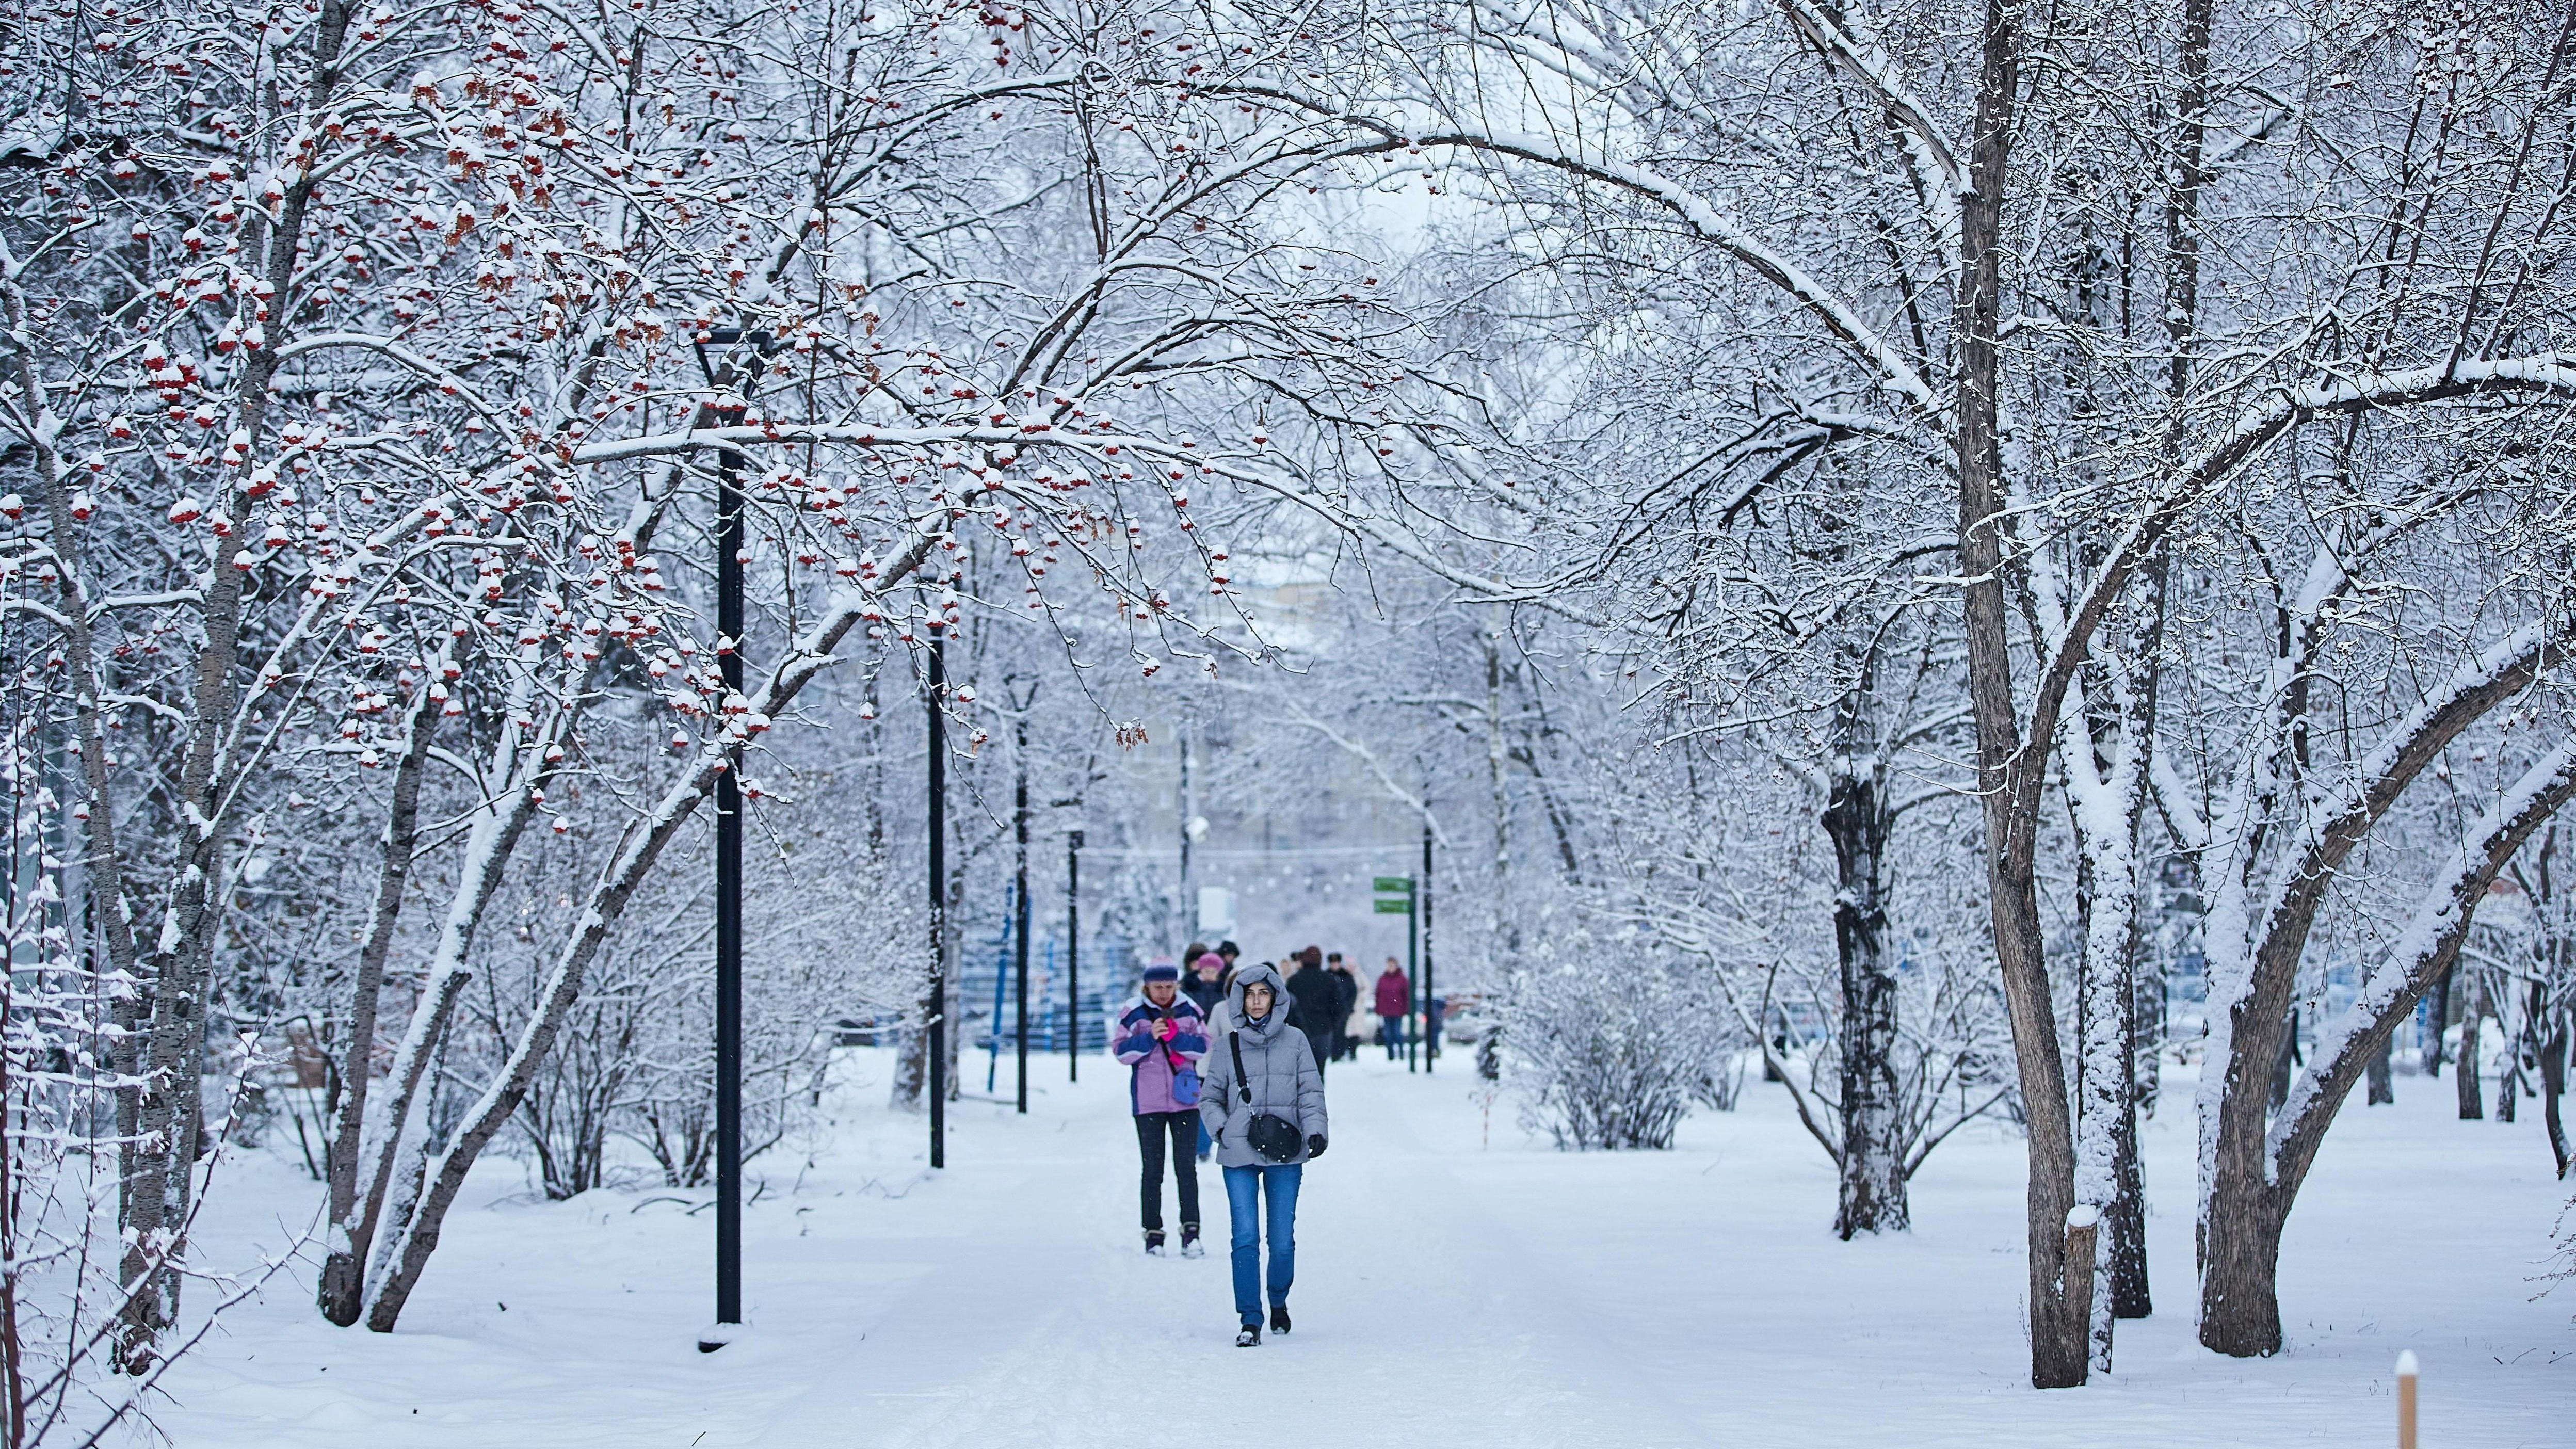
[[2406, 1400]]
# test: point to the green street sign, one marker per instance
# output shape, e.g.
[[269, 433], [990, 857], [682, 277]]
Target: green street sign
[[1395, 908], [1402, 883]]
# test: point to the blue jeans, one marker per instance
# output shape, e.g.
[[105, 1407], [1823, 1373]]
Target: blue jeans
[[1244, 1186], [1390, 1029]]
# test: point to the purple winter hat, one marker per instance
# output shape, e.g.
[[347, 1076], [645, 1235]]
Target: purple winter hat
[[1162, 971]]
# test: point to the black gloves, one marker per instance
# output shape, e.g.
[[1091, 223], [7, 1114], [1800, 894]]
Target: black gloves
[[1314, 1146]]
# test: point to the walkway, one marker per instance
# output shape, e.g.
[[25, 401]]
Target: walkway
[[1453, 1292]]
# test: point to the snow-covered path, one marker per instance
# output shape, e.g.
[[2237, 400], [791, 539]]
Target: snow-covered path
[[1452, 1291], [1410, 1336]]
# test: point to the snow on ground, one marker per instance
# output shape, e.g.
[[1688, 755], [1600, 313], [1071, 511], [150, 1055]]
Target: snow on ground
[[1451, 1291]]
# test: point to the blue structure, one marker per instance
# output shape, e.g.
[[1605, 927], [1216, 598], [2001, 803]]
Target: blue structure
[[1108, 975]]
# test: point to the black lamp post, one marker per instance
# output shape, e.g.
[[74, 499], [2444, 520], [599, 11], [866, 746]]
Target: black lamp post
[[1020, 968], [935, 1007], [1430, 1013], [729, 630], [1073, 954]]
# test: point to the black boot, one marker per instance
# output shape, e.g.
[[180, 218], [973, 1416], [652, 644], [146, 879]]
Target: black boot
[[1154, 1241], [1190, 1241], [1248, 1336], [1279, 1318]]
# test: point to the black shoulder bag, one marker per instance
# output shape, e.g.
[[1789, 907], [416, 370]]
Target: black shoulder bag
[[1273, 1138]]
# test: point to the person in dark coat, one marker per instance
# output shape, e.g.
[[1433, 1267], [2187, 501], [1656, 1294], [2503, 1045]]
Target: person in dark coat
[[1262, 1067], [1318, 1002], [1344, 1044], [1203, 981], [1161, 1037]]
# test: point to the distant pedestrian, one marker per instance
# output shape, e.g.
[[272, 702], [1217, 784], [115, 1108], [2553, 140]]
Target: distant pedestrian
[[1264, 1101], [1204, 984], [1205, 987], [1318, 1006], [1394, 1001], [1161, 1037], [1344, 1043], [1229, 953]]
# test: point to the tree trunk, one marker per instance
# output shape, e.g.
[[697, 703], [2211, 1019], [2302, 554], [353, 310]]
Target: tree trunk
[[2007, 783], [2509, 1087], [1871, 1197], [2256, 1165], [2473, 1007], [911, 1064], [1504, 928], [2437, 1014], [338, 1291], [2553, 1085], [2285, 1057], [2240, 1304], [498, 826], [2382, 1090], [2127, 1220]]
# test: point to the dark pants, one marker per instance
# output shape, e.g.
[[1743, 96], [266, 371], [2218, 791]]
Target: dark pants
[[1390, 1030], [1181, 1129], [1321, 1044]]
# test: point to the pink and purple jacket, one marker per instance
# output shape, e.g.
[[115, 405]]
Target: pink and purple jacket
[[1155, 1064]]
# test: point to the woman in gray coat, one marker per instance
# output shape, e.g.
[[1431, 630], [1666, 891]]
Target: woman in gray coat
[[1261, 1067]]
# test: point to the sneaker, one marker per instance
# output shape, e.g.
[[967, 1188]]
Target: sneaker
[[1248, 1336], [1190, 1242], [1154, 1242], [1279, 1318]]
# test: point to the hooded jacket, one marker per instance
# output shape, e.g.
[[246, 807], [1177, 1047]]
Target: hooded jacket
[[1278, 1065], [1157, 1064]]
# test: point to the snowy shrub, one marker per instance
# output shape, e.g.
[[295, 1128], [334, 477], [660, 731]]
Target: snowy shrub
[[1722, 1086], [75, 1368], [636, 1060], [1609, 1053], [2562, 1266]]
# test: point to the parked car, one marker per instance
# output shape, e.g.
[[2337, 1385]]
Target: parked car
[[1467, 1019]]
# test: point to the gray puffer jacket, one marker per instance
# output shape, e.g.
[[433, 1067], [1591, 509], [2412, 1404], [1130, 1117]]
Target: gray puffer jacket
[[1277, 1063]]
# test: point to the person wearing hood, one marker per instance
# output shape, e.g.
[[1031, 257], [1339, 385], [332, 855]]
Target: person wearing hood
[[1263, 1102], [1161, 1037]]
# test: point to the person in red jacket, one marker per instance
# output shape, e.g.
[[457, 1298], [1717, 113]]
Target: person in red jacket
[[1394, 1000]]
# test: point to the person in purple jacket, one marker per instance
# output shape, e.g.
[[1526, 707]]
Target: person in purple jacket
[[1161, 1037]]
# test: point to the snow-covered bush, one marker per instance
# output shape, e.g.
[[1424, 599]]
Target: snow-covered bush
[[72, 1371], [1610, 1052]]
